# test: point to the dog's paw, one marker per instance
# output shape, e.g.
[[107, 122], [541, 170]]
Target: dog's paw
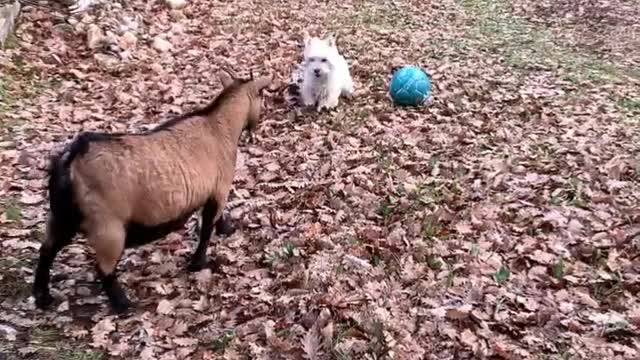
[[330, 104], [326, 107], [307, 102], [348, 91]]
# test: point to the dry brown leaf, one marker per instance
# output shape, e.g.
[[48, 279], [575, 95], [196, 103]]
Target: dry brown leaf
[[165, 307]]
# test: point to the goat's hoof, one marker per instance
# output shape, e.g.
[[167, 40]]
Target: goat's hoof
[[120, 306], [43, 299], [196, 265]]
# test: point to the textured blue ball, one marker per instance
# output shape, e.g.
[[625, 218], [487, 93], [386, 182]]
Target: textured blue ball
[[410, 85]]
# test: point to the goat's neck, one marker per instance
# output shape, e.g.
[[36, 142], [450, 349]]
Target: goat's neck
[[228, 124]]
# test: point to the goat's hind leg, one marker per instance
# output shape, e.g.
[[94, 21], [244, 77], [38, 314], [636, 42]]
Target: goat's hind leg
[[108, 240], [58, 235], [210, 213]]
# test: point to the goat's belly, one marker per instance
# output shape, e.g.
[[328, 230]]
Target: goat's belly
[[139, 234], [149, 210]]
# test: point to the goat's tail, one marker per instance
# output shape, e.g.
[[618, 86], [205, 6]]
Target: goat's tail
[[62, 200]]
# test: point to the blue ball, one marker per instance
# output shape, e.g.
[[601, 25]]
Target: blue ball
[[410, 85]]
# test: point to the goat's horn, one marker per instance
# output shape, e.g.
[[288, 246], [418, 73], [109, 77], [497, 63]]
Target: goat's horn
[[225, 77], [230, 71]]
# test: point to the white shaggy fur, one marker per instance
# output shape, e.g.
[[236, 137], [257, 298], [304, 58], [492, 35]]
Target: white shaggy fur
[[326, 74]]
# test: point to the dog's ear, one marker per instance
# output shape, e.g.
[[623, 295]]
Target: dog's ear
[[305, 38], [330, 39]]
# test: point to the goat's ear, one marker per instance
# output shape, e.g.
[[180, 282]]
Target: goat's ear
[[263, 82], [225, 78], [330, 39]]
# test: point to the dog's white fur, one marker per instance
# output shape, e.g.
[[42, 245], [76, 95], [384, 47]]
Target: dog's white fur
[[326, 73]]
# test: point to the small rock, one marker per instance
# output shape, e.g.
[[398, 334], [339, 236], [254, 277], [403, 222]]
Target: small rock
[[397, 62], [326, 243], [9, 155], [177, 15], [157, 68], [95, 37], [83, 291], [31, 199], [176, 4], [357, 262], [177, 28], [64, 28], [161, 44], [8, 332], [105, 61], [128, 24], [25, 159], [63, 307], [111, 38], [90, 277], [128, 41]]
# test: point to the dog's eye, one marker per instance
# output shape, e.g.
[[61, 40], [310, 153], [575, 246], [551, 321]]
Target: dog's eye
[[324, 60]]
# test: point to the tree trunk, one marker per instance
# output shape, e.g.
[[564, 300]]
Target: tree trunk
[[8, 16]]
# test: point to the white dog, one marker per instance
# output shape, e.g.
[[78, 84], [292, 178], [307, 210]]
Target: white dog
[[325, 74]]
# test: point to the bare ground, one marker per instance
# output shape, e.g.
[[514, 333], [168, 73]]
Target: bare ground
[[501, 221]]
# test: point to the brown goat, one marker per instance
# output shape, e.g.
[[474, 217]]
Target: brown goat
[[125, 190]]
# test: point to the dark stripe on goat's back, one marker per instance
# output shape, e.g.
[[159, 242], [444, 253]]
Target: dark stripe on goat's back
[[225, 94], [81, 145]]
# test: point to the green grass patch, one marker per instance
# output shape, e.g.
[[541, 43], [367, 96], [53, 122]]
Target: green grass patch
[[220, 343], [286, 252], [343, 331], [80, 355], [434, 262], [20, 80], [12, 210], [529, 47], [386, 209], [502, 275], [50, 344], [46, 340], [11, 42], [604, 289], [629, 104], [12, 284], [381, 16], [430, 228], [558, 269]]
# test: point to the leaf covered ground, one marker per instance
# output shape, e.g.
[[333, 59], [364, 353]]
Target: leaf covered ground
[[500, 221]]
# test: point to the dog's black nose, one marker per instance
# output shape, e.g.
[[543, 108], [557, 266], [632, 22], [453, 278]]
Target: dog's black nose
[[316, 71]]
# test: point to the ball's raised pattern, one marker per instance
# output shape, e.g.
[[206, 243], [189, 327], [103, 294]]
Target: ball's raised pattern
[[410, 85]]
